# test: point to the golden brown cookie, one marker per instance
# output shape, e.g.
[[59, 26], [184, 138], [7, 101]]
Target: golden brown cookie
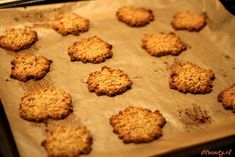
[[25, 67], [135, 17], [70, 23], [163, 44], [108, 81], [92, 49], [137, 124], [189, 20], [65, 141], [49, 103], [227, 98], [17, 39], [188, 77]]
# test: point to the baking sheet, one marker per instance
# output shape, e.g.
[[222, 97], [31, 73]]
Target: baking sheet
[[213, 48]]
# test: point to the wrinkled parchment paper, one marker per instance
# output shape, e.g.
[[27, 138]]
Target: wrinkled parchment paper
[[213, 48]]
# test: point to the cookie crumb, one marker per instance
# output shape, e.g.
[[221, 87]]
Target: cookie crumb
[[137, 77], [227, 57], [16, 19], [165, 62]]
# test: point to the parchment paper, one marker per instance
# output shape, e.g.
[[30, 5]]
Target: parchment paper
[[212, 48]]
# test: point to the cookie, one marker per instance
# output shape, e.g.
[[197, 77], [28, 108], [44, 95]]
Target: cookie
[[189, 20], [188, 77], [49, 103], [64, 141], [227, 98], [135, 17], [25, 67], [163, 44], [70, 23], [92, 49], [137, 124], [108, 82], [17, 39]]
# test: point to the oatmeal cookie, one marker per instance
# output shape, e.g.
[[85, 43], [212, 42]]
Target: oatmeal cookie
[[108, 82], [25, 67], [49, 103], [64, 141], [70, 23], [135, 17], [188, 77], [137, 124], [163, 44], [227, 98], [93, 49], [189, 20], [17, 39]]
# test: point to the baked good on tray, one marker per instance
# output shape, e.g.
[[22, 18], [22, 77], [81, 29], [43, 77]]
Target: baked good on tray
[[138, 124], [26, 66], [68, 141], [188, 77], [16, 39], [135, 16], [92, 49], [108, 82], [44, 104], [70, 23], [189, 20], [227, 98], [161, 44]]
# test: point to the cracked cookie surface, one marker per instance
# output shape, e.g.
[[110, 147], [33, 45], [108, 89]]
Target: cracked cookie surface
[[163, 44], [108, 82], [134, 17], [227, 98], [70, 23], [68, 141], [189, 20], [26, 67], [137, 124], [188, 77], [17, 39], [49, 103], [92, 49]]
